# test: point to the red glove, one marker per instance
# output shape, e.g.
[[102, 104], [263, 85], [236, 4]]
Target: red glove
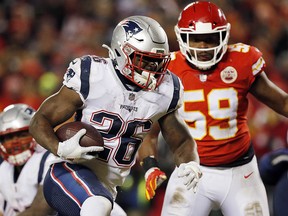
[[154, 177]]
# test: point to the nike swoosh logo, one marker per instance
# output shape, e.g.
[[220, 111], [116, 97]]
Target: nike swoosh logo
[[247, 176]]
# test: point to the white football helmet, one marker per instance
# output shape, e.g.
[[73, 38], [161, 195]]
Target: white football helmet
[[15, 147], [140, 47], [200, 18]]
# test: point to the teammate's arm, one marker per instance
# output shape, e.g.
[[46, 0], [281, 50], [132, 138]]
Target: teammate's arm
[[270, 94], [39, 206]]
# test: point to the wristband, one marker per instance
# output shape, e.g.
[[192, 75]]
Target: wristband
[[148, 163]]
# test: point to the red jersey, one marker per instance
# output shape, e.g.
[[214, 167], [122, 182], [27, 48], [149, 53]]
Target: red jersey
[[215, 102]]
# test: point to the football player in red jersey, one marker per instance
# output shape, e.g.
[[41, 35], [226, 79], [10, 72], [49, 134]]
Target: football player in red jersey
[[217, 78]]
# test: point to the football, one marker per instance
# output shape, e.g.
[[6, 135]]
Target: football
[[91, 138]]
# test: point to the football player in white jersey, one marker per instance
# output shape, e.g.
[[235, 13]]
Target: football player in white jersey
[[24, 166], [121, 96], [273, 168]]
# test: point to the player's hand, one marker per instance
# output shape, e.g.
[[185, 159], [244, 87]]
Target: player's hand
[[154, 177], [191, 173], [70, 149]]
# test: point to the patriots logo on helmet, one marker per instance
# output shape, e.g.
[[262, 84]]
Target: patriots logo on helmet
[[69, 74], [131, 28]]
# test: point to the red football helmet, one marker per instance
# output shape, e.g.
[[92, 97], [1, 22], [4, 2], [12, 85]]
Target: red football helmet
[[202, 18], [16, 143]]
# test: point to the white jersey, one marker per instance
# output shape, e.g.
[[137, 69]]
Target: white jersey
[[121, 115], [15, 197]]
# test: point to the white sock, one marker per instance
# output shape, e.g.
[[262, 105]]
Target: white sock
[[96, 205]]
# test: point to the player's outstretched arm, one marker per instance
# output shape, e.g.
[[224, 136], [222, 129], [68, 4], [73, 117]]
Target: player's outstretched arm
[[270, 94], [39, 206]]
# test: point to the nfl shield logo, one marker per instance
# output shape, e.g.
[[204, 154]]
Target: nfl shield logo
[[131, 96]]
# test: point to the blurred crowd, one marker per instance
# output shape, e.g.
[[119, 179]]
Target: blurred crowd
[[38, 38]]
